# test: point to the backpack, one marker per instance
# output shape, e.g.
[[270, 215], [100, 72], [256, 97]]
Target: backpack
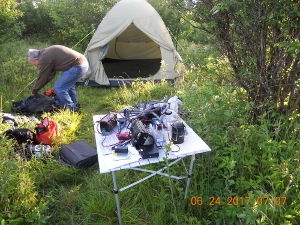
[[47, 132], [34, 105]]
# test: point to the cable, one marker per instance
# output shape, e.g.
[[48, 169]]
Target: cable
[[108, 145], [83, 38], [25, 87]]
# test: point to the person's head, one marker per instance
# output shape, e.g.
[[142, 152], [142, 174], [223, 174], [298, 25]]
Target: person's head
[[33, 57]]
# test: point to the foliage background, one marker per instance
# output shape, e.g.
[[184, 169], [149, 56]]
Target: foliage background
[[251, 157]]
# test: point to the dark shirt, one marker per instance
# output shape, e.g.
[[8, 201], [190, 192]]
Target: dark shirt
[[52, 59]]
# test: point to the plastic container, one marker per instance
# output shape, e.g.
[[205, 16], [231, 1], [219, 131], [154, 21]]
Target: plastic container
[[171, 116]]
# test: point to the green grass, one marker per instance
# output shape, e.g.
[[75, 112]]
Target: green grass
[[247, 161]]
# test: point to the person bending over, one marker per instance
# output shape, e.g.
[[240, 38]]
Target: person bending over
[[59, 58]]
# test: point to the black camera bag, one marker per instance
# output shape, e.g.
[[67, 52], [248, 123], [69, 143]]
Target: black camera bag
[[78, 154]]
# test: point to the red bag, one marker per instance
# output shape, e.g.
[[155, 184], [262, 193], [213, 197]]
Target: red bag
[[50, 92], [47, 132]]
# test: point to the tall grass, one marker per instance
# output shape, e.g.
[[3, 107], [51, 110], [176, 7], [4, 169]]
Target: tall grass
[[248, 160], [251, 176]]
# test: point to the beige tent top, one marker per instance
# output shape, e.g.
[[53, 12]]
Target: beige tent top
[[131, 41]]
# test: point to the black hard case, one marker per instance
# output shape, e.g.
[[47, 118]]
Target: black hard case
[[79, 154]]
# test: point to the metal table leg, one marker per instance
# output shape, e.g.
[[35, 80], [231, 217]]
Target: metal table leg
[[189, 176], [116, 191]]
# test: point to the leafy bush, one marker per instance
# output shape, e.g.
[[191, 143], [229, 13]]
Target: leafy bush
[[247, 160], [37, 19], [9, 25], [249, 164]]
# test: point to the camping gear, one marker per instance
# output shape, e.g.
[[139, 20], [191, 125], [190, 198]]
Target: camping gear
[[7, 118], [15, 119], [47, 132], [131, 42], [22, 136], [78, 154], [36, 105], [50, 92], [39, 150]]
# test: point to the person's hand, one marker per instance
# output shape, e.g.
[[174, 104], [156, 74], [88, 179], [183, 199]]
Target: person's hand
[[30, 98]]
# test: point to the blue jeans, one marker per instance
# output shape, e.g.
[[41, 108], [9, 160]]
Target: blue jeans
[[64, 87]]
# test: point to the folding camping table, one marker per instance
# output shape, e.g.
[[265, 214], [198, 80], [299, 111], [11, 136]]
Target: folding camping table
[[191, 146]]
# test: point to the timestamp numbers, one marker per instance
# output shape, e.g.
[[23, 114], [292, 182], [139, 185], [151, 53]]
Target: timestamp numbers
[[238, 201]]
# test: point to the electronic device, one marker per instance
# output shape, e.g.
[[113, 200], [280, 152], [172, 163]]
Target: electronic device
[[148, 151], [120, 149], [178, 132], [140, 135], [141, 106], [123, 136], [131, 112], [108, 122]]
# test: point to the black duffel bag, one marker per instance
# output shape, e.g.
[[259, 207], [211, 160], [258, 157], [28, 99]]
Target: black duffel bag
[[78, 154], [36, 105]]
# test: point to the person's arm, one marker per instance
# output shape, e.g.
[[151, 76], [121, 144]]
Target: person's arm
[[46, 74]]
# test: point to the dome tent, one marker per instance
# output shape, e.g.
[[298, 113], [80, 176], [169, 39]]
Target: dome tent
[[131, 42]]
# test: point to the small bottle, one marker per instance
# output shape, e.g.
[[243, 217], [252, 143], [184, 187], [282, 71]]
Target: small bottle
[[158, 135], [160, 138], [171, 117]]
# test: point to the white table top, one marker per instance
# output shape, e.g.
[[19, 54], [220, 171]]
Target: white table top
[[192, 144]]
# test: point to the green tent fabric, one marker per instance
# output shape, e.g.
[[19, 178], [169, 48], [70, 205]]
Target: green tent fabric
[[131, 41]]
